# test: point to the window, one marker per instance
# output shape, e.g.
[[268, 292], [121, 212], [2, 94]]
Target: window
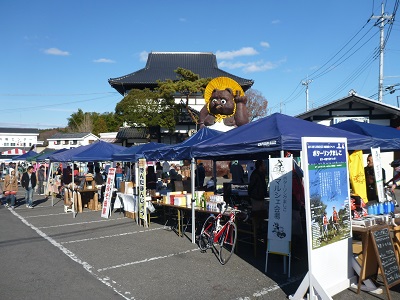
[[6, 144], [12, 144]]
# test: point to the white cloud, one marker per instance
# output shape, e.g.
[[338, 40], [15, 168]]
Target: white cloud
[[182, 19], [251, 67], [265, 44], [104, 60], [143, 55], [56, 51], [275, 22], [245, 51]]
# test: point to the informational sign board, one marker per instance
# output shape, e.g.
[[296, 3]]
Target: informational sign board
[[386, 256], [142, 190], [327, 194], [376, 156], [105, 211]]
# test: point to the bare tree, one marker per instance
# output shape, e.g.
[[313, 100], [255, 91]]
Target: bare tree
[[256, 104]]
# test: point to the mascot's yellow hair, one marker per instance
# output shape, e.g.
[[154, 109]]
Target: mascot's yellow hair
[[222, 83]]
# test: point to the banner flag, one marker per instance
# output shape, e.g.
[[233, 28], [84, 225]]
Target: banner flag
[[357, 175]]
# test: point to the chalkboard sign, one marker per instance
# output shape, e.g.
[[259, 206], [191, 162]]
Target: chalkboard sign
[[386, 256]]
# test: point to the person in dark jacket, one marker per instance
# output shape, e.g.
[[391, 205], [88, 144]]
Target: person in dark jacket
[[41, 177], [257, 188], [28, 182]]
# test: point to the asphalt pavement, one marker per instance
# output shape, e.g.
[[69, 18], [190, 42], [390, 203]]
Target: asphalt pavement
[[49, 254]]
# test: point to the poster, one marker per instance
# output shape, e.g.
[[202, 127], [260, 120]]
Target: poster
[[105, 211], [280, 205], [329, 192]]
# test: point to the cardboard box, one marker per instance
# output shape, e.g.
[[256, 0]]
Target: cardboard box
[[130, 214], [126, 187]]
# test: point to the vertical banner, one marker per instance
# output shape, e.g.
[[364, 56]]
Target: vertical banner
[[280, 203], [105, 211], [357, 174], [376, 156], [142, 189], [328, 216]]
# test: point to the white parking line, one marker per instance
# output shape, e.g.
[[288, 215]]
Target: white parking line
[[145, 260], [72, 256], [110, 236], [80, 223]]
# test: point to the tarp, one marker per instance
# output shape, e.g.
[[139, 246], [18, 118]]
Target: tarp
[[25, 155], [15, 151], [389, 137], [68, 154], [133, 153], [272, 134], [182, 150], [98, 151], [45, 154]]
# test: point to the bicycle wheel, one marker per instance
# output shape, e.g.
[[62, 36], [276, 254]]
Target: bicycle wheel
[[206, 235], [227, 243]]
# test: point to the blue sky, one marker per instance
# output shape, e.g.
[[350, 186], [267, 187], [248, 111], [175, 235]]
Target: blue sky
[[57, 55]]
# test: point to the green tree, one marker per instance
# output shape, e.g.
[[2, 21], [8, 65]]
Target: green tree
[[256, 104], [92, 122], [145, 108], [149, 108], [186, 84]]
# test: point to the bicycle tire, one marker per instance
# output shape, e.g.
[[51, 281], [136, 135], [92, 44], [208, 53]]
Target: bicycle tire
[[227, 243], [206, 235]]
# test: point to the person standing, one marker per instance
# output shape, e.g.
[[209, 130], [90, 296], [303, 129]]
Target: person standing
[[28, 182], [237, 172], [200, 175], [41, 176], [372, 192], [257, 188], [10, 188], [118, 175]]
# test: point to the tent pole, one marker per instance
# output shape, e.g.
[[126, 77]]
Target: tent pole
[[192, 176]]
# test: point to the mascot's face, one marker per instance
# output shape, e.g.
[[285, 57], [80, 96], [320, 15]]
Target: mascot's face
[[221, 102]]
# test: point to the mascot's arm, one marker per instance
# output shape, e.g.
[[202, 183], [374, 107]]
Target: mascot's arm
[[205, 119], [241, 115]]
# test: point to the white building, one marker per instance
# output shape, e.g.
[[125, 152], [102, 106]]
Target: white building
[[18, 138], [71, 140]]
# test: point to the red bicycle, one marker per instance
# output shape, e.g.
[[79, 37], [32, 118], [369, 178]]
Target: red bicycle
[[221, 237]]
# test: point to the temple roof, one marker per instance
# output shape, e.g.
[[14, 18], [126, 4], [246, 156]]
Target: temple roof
[[161, 66]]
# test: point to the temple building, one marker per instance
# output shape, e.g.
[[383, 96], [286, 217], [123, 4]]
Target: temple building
[[161, 66]]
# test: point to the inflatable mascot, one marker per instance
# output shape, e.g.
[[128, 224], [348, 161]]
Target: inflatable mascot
[[225, 106]]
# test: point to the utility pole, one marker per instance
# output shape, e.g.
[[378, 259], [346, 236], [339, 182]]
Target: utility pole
[[306, 83], [381, 24]]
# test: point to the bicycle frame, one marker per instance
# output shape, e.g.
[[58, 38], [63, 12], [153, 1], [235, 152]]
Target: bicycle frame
[[218, 234]]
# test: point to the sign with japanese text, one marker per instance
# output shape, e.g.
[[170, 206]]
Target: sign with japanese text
[[280, 204], [376, 158], [329, 192], [328, 224], [105, 211], [142, 189]]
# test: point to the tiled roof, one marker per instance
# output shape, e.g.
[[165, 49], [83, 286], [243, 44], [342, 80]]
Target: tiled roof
[[19, 130], [161, 66], [77, 135], [132, 133]]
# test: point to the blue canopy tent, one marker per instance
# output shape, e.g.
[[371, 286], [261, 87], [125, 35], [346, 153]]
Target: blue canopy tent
[[98, 151], [389, 137], [182, 150], [68, 154], [272, 134], [25, 155], [133, 153]]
